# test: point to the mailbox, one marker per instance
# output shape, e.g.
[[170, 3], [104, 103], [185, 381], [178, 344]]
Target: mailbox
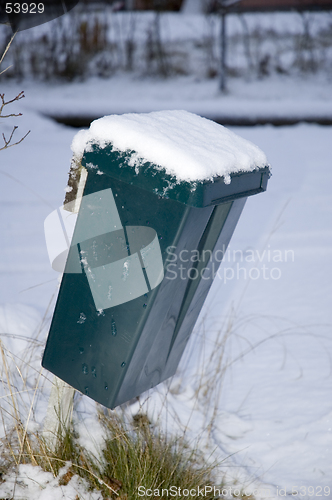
[[145, 248]]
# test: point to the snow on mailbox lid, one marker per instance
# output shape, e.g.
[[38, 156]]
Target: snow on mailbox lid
[[187, 146]]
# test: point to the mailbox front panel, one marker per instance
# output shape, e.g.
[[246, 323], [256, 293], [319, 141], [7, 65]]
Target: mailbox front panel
[[124, 311]]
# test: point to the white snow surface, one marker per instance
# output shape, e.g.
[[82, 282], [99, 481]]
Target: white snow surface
[[272, 402], [32, 482], [186, 145]]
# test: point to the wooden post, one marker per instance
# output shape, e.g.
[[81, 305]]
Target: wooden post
[[223, 48]]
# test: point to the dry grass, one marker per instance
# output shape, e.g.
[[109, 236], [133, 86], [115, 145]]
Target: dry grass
[[135, 451]]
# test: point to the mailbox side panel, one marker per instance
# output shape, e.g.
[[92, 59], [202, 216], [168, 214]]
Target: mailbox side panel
[[163, 339], [191, 314]]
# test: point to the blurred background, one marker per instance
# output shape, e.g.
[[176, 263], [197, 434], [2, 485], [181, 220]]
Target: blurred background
[[255, 382], [170, 38]]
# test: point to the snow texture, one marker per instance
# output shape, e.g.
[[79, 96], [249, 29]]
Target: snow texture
[[33, 483], [187, 146]]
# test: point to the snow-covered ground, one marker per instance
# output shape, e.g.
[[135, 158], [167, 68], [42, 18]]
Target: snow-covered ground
[[271, 411], [275, 97]]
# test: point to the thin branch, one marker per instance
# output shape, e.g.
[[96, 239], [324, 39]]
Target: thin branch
[[5, 52], [5, 69], [7, 143], [4, 103], [9, 116]]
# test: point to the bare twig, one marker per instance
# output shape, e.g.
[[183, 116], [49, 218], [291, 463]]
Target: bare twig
[[4, 103], [5, 52], [8, 142]]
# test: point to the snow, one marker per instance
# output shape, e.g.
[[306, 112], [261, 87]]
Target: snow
[[32, 482], [186, 146], [276, 97], [267, 333], [274, 412]]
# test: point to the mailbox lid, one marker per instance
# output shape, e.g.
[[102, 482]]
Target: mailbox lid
[[174, 154], [154, 178]]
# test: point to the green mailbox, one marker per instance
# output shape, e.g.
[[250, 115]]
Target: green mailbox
[[162, 196]]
